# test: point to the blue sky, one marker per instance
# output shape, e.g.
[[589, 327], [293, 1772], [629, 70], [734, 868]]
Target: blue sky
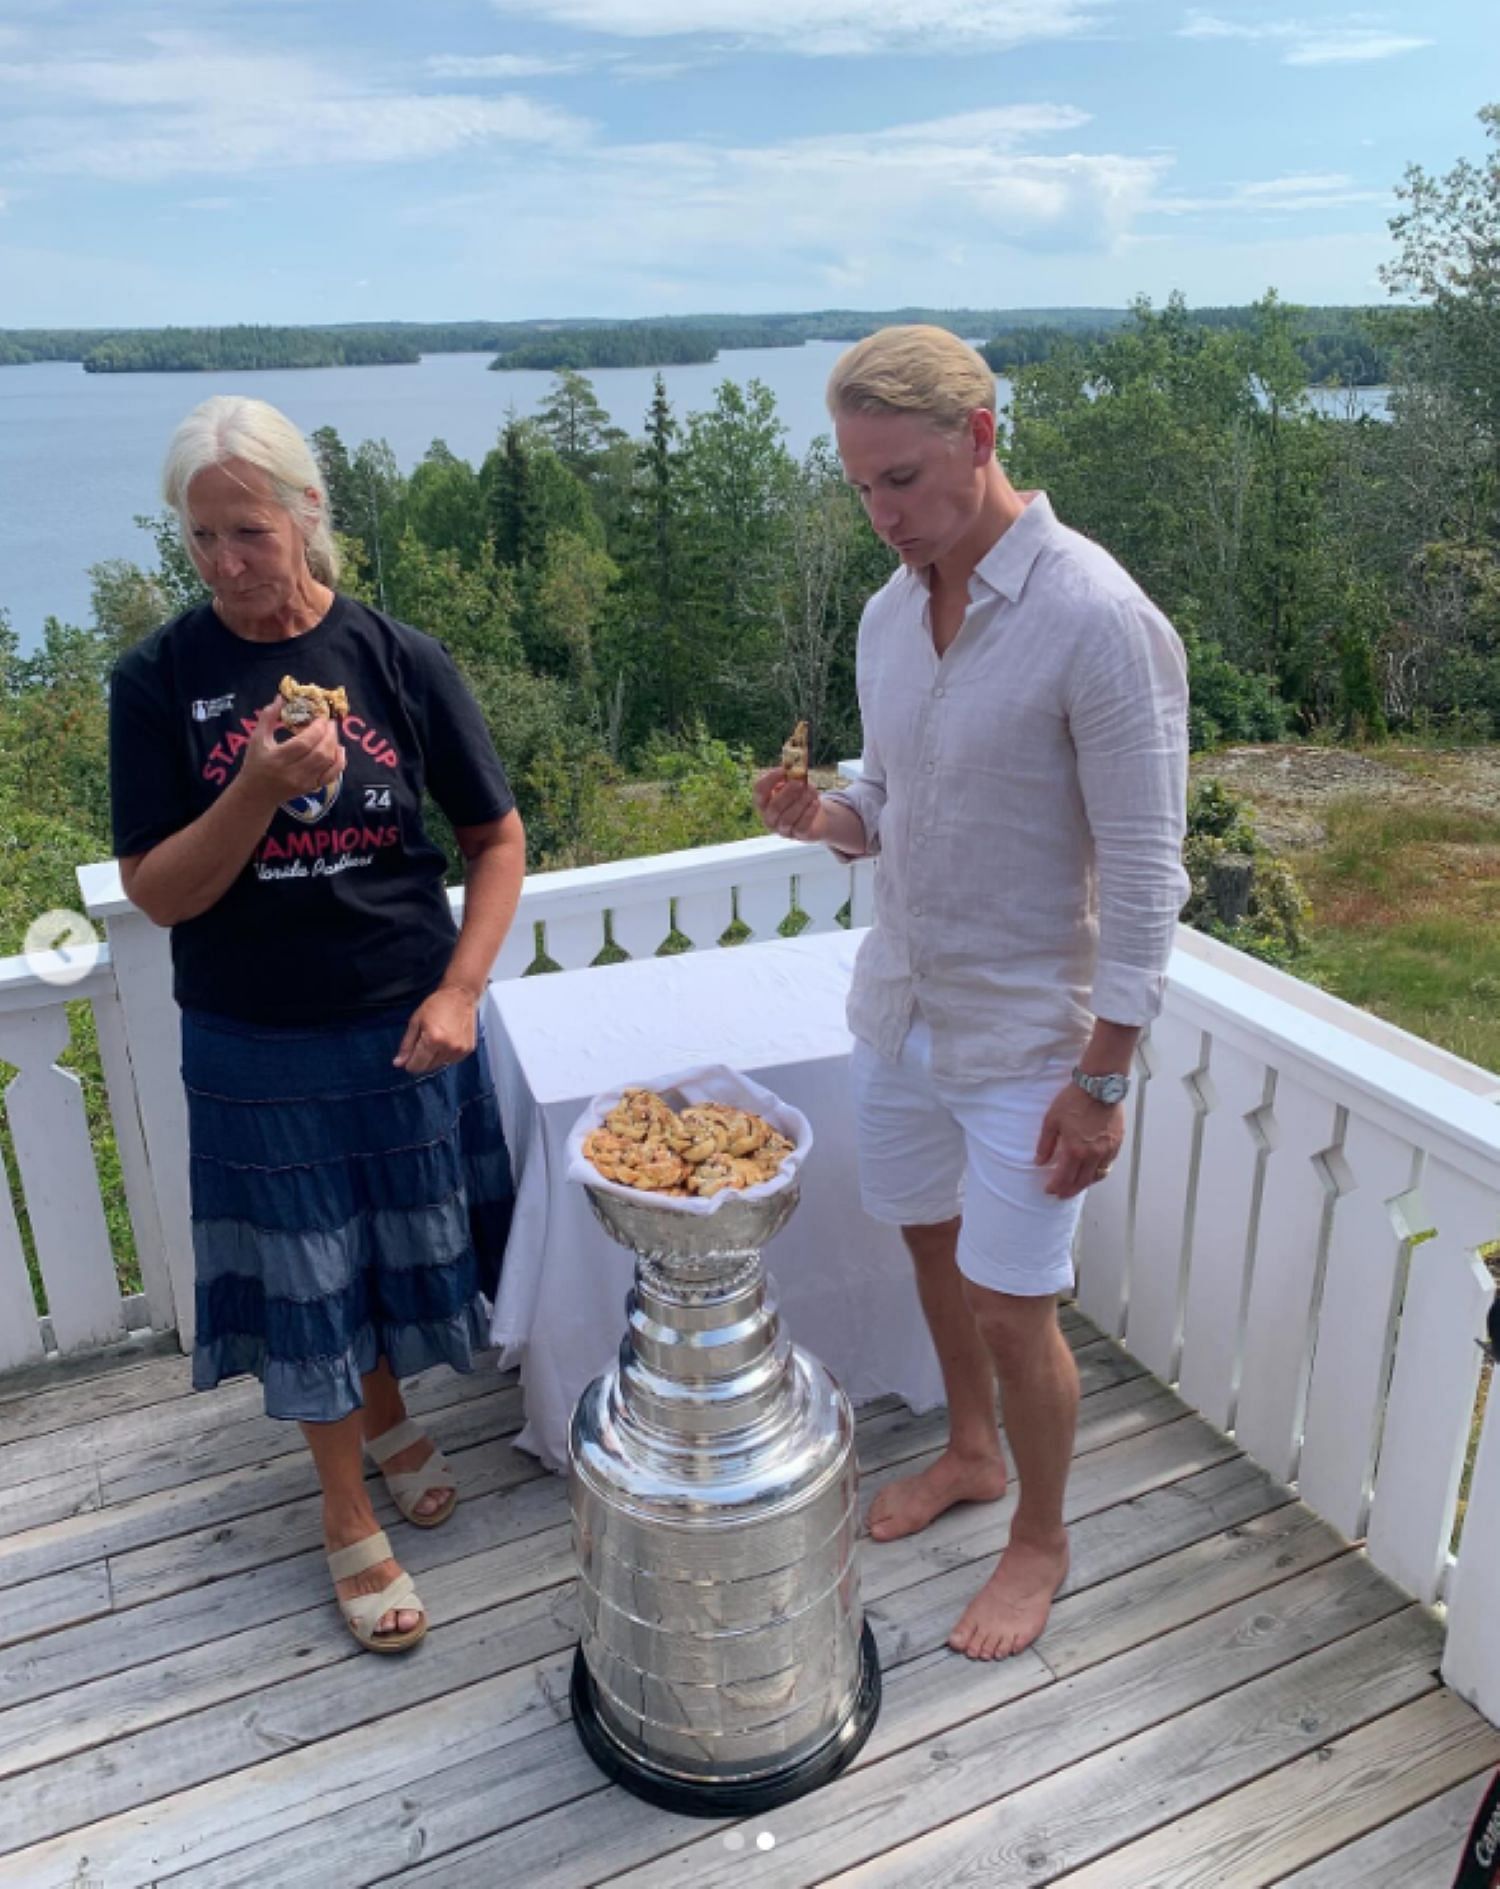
[[285, 160]]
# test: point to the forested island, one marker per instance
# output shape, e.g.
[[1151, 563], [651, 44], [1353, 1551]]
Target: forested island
[[638, 344], [1337, 346], [208, 350]]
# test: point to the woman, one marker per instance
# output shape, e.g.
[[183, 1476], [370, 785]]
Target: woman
[[351, 1191]]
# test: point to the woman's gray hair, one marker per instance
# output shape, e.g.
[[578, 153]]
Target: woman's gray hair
[[233, 426]]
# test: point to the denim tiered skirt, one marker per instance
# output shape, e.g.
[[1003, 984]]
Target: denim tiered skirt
[[343, 1210]]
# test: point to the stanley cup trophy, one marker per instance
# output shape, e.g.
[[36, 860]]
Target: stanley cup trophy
[[725, 1665]]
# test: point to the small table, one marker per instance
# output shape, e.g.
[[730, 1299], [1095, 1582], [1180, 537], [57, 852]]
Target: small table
[[774, 1011]]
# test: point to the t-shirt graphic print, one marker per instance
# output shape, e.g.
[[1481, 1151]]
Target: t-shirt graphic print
[[341, 909]]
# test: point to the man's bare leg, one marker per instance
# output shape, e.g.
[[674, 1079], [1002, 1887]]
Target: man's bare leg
[[971, 1468], [1039, 1395]]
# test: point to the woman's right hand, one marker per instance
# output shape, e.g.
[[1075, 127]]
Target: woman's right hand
[[307, 760], [792, 808]]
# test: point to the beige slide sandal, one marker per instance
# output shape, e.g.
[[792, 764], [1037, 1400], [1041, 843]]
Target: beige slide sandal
[[408, 1486], [364, 1612]]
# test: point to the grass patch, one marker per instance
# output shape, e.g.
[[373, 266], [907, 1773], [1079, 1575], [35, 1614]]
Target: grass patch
[[1405, 900]]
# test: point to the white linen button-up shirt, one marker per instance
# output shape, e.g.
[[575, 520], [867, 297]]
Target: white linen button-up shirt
[[1025, 793]]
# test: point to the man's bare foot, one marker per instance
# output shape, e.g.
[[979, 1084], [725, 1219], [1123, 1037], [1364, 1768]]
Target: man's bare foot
[[1011, 1609], [908, 1506]]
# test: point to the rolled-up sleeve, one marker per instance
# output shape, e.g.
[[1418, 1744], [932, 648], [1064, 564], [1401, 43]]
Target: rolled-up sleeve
[[1128, 721], [867, 797]]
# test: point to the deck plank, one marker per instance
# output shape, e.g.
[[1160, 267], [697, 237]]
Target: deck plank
[[145, 1368], [211, 1501], [263, 1655], [1088, 1810], [122, 1435], [928, 1691], [129, 1702], [1419, 1850], [1336, 1794], [180, 1702], [585, 1819], [885, 1807], [319, 1714], [51, 1498], [44, 1607]]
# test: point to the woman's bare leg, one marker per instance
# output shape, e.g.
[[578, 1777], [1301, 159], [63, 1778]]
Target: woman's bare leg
[[338, 1451]]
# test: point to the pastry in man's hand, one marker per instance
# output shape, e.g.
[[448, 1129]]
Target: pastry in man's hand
[[794, 751], [304, 702]]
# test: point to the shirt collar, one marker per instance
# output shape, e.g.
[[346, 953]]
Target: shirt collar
[[1005, 567], [1007, 564]]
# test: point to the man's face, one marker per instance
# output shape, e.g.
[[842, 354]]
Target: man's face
[[921, 487]]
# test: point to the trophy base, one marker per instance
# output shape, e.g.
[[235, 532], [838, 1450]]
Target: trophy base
[[727, 1797]]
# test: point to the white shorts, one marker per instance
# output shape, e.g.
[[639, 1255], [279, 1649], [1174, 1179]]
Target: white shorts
[[930, 1150]]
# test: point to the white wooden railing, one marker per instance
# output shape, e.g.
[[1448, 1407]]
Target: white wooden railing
[[1293, 1242], [566, 919]]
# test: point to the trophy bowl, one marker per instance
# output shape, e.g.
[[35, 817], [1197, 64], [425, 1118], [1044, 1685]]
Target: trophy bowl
[[725, 1665]]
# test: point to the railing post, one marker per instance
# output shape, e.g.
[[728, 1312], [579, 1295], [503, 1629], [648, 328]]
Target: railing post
[[141, 958], [1471, 1658]]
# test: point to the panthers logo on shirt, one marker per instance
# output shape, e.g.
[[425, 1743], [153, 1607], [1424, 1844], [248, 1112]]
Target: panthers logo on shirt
[[310, 808]]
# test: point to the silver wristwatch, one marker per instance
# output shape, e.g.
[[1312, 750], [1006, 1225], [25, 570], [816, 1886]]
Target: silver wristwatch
[[1108, 1089]]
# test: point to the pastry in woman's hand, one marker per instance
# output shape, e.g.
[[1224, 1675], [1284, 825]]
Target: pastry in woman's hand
[[304, 702], [794, 753]]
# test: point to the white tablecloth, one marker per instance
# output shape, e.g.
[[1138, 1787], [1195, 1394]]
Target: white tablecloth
[[774, 1011]]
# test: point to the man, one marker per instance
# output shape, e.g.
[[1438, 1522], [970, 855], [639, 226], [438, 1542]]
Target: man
[[1025, 747]]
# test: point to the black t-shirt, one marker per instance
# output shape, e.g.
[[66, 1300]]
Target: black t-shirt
[[341, 909]]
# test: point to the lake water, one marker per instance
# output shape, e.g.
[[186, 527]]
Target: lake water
[[80, 454]]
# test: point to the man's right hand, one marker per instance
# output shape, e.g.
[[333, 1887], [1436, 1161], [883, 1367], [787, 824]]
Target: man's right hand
[[794, 809], [306, 761]]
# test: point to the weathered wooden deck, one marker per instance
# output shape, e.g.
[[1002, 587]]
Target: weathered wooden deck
[[1228, 1694]]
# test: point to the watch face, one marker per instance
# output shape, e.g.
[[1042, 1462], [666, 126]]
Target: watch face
[[1114, 1088]]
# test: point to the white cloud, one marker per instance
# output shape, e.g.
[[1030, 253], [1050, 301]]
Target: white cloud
[[826, 28], [498, 65], [649, 71], [1303, 44], [193, 106], [1351, 45], [946, 210], [1277, 196]]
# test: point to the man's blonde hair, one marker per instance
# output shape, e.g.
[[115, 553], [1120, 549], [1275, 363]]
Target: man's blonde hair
[[912, 369]]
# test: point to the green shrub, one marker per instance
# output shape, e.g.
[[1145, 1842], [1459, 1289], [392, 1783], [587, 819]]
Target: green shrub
[[1220, 826], [1226, 704]]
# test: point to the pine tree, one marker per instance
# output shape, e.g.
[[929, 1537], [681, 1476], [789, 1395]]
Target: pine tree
[[574, 422]]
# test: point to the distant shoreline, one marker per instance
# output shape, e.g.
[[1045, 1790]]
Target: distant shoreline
[[1336, 341]]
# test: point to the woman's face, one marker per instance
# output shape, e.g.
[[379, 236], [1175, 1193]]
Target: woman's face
[[247, 547]]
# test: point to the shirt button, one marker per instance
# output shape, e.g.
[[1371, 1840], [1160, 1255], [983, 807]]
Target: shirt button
[[931, 767], [916, 911], [940, 692]]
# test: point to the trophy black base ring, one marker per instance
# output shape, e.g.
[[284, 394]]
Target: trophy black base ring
[[669, 1791]]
